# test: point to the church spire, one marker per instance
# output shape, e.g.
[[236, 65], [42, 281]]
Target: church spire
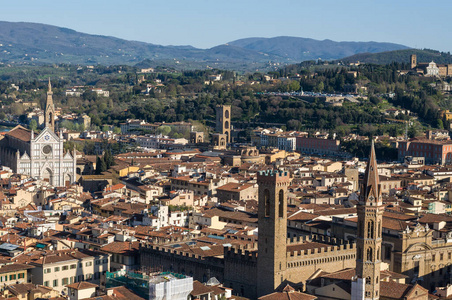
[[370, 190], [50, 109], [368, 240]]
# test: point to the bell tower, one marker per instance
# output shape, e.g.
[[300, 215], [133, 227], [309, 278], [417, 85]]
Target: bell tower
[[223, 121], [413, 61], [49, 118], [370, 217], [272, 232]]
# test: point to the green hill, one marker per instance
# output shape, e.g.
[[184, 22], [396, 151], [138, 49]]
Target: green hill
[[400, 56]]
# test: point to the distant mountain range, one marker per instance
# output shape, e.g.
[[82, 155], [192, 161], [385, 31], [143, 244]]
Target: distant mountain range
[[301, 49], [30, 42]]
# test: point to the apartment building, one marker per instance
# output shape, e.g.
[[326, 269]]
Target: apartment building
[[57, 269]]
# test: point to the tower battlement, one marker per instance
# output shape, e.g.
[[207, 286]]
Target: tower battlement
[[241, 254], [272, 177]]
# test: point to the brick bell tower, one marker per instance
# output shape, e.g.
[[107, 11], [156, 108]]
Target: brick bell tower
[[272, 236], [370, 216]]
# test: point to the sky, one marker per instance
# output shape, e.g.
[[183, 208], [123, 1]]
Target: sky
[[205, 24]]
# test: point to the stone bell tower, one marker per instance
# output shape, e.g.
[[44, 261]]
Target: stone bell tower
[[49, 119], [223, 121], [370, 216], [272, 237]]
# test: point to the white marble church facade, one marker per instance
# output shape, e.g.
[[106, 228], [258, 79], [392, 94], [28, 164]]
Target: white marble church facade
[[41, 156]]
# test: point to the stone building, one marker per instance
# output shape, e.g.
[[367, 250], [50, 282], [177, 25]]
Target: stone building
[[431, 68], [219, 141], [41, 156], [237, 192], [272, 249], [196, 137], [408, 247]]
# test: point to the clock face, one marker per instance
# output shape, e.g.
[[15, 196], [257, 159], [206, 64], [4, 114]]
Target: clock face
[[47, 149]]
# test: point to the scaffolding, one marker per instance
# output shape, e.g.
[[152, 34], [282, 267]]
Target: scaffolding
[[155, 286]]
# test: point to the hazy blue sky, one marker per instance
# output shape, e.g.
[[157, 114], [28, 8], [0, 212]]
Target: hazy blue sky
[[204, 24]]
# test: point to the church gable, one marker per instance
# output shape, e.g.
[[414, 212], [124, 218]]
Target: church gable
[[417, 292], [68, 156], [47, 136], [25, 156]]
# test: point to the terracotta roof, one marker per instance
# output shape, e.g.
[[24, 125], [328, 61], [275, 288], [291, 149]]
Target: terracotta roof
[[14, 267], [200, 289], [25, 288], [434, 218], [394, 290], [20, 133], [234, 187], [288, 294], [122, 247], [82, 285], [119, 293]]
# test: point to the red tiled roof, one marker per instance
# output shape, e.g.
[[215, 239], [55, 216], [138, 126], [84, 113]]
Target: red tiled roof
[[20, 133], [82, 285]]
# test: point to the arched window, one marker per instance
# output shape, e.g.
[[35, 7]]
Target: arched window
[[226, 114], [368, 280], [281, 203], [267, 202], [369, 254], [376, 280], [370, 229], [226, 125], [378, 253], [379, 229]]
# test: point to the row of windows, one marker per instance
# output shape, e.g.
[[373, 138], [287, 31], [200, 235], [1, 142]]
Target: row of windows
[[441, 256], [12, 277], [368, 294], [72, 279], [73, 266]]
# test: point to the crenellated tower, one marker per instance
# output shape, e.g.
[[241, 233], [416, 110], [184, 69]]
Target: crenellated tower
[[370, 217], [272, 223]]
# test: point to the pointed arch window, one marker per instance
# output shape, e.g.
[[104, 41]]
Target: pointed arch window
[[281, 203], [369, 254], [370, 229], [368, 280], [267, 202]]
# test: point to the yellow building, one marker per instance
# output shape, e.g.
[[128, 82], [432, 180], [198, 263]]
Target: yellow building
[[14, 273]]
